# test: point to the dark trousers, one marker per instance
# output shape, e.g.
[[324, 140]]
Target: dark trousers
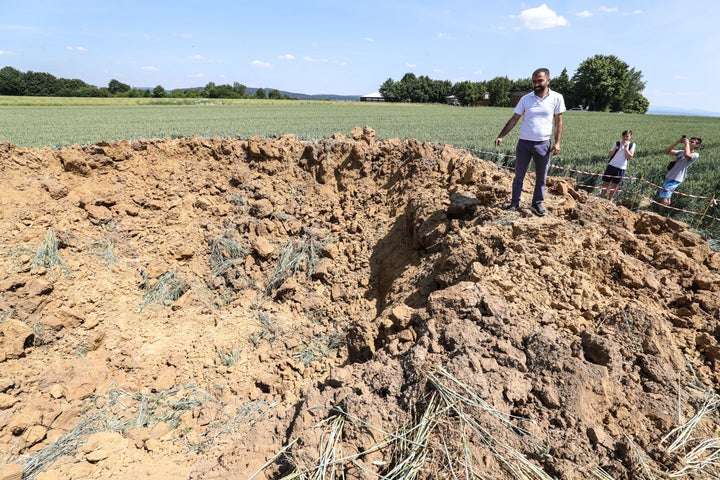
[[540, 153]]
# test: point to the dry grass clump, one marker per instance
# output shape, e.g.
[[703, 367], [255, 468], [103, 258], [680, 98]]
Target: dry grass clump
[[47, 255], [295, 256], [321, 346], [227, 258], [124, 410], [65, 445], [270, 331], [229, 357], [168, 288], [105, 250], [224, 255]]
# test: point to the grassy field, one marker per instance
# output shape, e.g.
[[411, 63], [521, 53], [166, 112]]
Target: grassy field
[[588, 136]]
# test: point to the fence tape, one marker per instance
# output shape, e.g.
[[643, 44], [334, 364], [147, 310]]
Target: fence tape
[[712, 201]]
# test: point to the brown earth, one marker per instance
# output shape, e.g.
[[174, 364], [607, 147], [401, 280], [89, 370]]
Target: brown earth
[[245, 308]]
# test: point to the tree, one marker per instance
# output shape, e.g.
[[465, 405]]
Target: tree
[[420, 89], [275, 94], [465, 92], [115, 86], [40, 84], [158, 92], [75, 88], [260, 93], [522, 85], [499, 90], [635, 102], [440, 90], [409, 87], [563, 85], [639, 104], [389, 90], [222, 91], [604, 82], [240, 89], [12, 81]]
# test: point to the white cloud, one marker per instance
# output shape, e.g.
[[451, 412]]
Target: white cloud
[[261, 64], [541, 18], [7, 52], [614, 10], [76, 49], [369, 39], [196, 57], [287, 56], [585, 14], [150, 69], [314, 60], [410, 65], [444, 36], [196, 75]]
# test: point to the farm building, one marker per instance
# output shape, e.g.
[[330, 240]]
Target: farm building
[[372, 97]]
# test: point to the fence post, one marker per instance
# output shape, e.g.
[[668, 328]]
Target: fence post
[[710, 204], [638, 188]]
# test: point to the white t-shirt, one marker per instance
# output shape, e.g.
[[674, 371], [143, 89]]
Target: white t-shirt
[[679, 171], [538, 115], [619, 160]]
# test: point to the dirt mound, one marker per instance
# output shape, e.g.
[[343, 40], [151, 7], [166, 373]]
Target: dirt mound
[[236, 308]]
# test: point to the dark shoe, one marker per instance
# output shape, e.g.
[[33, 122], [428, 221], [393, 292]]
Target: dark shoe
[[538, 210], [513, 207]]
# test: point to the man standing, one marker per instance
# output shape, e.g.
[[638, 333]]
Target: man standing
[[678, 171], [540, 110]]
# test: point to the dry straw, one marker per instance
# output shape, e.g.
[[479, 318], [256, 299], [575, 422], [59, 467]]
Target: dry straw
[[47, 255], [450, 407], [295, 256]]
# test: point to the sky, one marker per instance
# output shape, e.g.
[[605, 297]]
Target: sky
[[352, 47]]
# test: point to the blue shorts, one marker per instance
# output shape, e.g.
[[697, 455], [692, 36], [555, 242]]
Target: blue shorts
[[668, 188], [613, 174]]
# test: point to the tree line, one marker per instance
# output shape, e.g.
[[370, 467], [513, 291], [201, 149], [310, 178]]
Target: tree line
[[601, 83], [41, 84]]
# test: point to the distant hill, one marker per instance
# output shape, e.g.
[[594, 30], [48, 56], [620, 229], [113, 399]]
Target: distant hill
[[659, 110], [299, 96], [304, 96]]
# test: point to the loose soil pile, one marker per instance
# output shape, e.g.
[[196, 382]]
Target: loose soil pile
[[248, 308]]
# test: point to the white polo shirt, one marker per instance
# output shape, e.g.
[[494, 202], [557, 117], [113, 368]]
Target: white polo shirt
[[538, 115]]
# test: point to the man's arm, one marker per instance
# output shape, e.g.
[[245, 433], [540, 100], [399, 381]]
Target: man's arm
[[672, 151], [506, 129], [558, 133]]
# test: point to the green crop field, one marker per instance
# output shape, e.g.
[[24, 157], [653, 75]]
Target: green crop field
[[588, 136]]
